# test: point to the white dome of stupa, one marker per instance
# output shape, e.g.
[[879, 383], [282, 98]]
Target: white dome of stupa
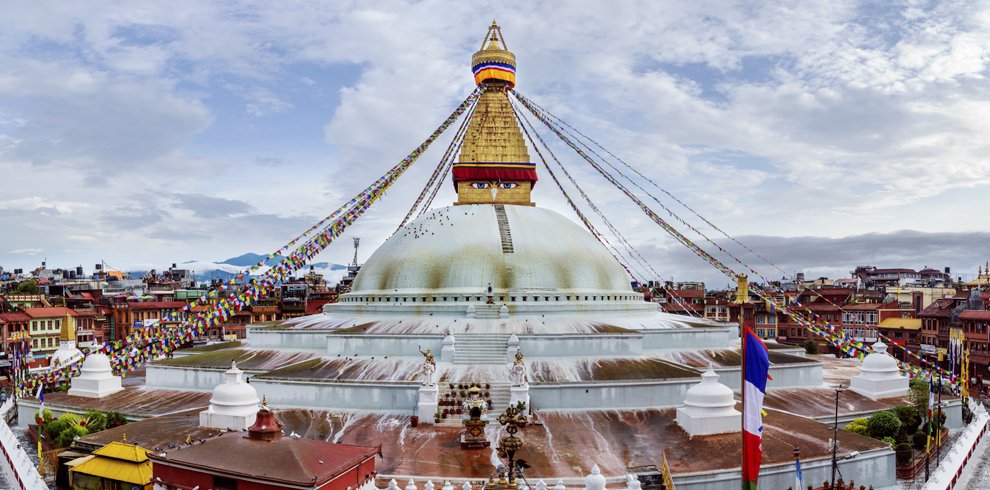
[[709, 393], [234, 392], [463, 248], [879, 362], [233, 405], [879, 376], [97, 363], [96, 378], [709, 407], [66, 354]]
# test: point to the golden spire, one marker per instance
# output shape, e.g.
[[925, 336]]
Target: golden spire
[[68, 331], [494, 165]]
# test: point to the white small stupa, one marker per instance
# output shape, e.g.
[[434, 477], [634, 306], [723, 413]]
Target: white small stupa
[[234, 404], [67, 353], [879, 377], [96, 379], [709, 408]]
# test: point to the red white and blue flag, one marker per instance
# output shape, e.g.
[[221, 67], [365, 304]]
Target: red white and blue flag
[[757, 364]]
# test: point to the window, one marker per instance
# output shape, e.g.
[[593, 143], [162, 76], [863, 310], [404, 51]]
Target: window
[[221, 483]]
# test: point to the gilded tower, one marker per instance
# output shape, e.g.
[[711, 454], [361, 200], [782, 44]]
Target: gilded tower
[[494, 166]]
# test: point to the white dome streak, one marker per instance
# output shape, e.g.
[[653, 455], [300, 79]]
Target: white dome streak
[[458, 249], [530, 324]]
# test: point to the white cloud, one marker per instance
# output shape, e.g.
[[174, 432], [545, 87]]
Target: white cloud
[[783, 118]]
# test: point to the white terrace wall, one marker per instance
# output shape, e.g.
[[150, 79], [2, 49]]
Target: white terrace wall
[[301, 340], [186, 378], [689, 338], [17, 466], [382, 345], [599, 345], [612, 394], [393, 397]]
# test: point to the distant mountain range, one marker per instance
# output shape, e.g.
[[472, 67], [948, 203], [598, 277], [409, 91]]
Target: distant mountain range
[[227, 269]]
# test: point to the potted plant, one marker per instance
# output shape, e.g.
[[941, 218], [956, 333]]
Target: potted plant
[[436, 417]]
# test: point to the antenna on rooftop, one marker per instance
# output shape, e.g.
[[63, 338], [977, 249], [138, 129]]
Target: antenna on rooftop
[[357, 243]]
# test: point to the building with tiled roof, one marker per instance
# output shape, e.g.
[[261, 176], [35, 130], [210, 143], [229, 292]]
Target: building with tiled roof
[[264, 458], [116, 465]]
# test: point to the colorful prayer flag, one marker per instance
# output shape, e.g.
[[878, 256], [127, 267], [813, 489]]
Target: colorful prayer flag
[[757, 365]]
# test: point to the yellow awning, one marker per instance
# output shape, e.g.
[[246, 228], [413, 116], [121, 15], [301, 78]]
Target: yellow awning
[[117, 470], [123, 451], [901, 323]]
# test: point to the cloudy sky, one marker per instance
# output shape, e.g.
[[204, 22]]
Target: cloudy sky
[[822, 136]]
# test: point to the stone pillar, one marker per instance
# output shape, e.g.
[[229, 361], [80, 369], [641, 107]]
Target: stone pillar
[[511, 348], [447, 350], [520, 393], [429, 397]]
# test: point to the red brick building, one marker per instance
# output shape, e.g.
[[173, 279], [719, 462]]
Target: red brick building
[[265, 459], [976, 328]]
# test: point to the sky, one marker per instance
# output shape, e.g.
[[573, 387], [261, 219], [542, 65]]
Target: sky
[[822, 135]]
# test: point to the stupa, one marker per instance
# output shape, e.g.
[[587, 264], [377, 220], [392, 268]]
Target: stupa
[[709, 408], [96, 379], [67, 353], [233, 405], [479, 281], [879, 377]]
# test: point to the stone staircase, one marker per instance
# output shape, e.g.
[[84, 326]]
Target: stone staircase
[[499, 396], [503, 229], [481, 348], [487, 312]]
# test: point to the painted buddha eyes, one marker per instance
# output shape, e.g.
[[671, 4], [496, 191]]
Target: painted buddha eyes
[[500, 185]]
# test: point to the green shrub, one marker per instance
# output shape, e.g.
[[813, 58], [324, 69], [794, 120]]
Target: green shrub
[[810, 346], [66, 437], [883, 424], [858, 426], [890, 441], [115, 419], [909, 417], [94, 421], [919, 440], [69, 418], [903, 453]]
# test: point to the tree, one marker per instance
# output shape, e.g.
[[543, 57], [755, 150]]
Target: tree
[[810, 346], [909, 417], [903, 454], [918, 394], [27, 287], [883, 424]]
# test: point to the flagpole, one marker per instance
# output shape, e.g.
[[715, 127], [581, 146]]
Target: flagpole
[[742, 294], [742, 381]]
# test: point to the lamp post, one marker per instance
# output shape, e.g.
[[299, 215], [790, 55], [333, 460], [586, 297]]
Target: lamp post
[[835, 435]]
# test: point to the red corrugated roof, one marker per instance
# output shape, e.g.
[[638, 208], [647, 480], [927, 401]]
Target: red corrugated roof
[[13, 317], [983, 315], [49, 312], [304, 462]]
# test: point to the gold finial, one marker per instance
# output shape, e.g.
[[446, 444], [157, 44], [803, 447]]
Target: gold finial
[[264, 401], [125, 438]]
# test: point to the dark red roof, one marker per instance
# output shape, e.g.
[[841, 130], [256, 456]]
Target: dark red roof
[[156, 305], [688, 293], [287, 460], [16, 316], [891, 271], [983, 315]]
